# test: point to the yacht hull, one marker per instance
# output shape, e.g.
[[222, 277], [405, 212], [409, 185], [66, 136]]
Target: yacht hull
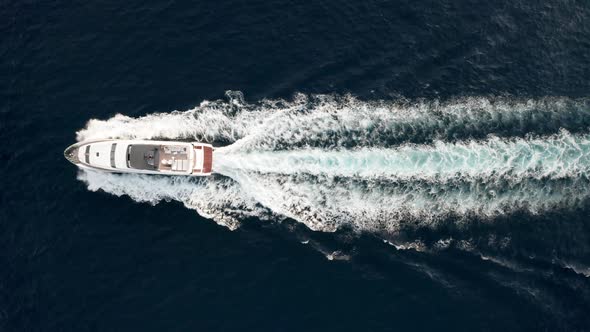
[[143, 157]]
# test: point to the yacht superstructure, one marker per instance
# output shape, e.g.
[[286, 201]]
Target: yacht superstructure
[[143, 156]]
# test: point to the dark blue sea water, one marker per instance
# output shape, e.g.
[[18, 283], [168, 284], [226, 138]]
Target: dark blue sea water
[[499, 250]]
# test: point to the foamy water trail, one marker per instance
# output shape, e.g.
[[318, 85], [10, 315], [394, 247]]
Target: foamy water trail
[[326, 203], [344, 122], [556, 156], [330, 161], [217, 198], [378, 189]]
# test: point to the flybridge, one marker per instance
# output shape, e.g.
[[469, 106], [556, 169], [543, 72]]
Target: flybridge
[[143, 156]]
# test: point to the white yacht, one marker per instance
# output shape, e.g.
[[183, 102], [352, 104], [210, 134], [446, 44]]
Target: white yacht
[[143, 156]]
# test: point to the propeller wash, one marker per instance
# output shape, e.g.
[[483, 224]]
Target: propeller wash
[[331, 161]]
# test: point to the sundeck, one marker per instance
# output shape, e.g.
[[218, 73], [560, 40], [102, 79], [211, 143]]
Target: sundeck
[[143, 156]]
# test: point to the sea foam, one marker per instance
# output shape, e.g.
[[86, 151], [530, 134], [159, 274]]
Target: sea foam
[[333, 161]]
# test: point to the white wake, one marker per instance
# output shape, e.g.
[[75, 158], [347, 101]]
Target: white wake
[[331, 161], [555, 156]]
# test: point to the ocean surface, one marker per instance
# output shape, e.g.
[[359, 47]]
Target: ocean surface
[[380, 166]]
